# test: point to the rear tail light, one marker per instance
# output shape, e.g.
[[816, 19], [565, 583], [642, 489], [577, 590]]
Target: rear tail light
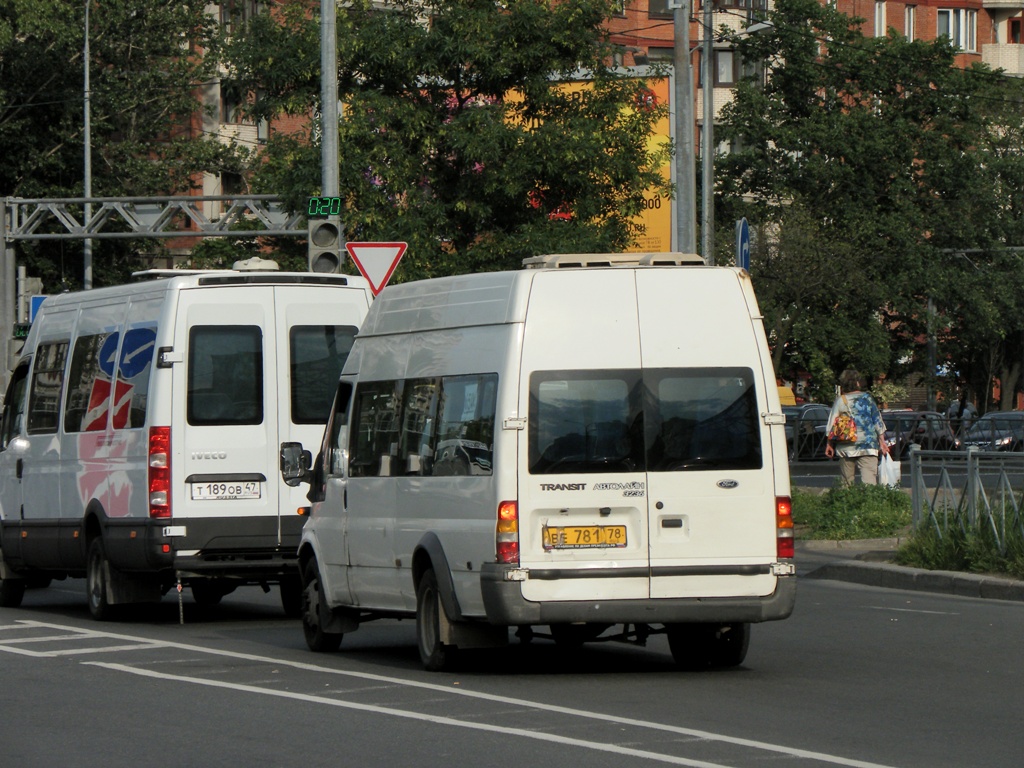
[[507, 533], [159, 471], [784, 527]]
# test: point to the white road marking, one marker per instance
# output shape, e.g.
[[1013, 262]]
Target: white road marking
[[146, 644]]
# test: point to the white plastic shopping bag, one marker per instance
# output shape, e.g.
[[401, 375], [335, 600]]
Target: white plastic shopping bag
[[889, 472]]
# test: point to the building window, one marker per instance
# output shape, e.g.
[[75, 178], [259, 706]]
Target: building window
[[725, 68], [960, 25], [910, 23], [1015, 30], [658, 9], [619, 8], [880, 18]]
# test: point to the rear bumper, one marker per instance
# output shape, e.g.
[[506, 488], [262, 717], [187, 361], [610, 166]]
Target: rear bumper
[[247, 548], [504, 604]]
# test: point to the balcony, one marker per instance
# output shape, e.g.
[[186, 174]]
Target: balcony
[[1007, 56], [1002, 5]]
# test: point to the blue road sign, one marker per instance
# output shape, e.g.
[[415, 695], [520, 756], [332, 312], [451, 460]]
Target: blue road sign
[[743, 244]]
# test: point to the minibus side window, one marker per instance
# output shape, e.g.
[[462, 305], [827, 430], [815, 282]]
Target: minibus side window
[[14, 407], [47, 385], [373, 442], [317, 355], [465, 432], [336, 431], [92, 368], [135, 364], [225, 375], [419, 420], [702, 419]]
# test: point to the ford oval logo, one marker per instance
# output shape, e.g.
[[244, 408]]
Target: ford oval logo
[[727, 484]]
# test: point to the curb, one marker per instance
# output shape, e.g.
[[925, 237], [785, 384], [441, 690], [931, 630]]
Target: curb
[[892, 576]]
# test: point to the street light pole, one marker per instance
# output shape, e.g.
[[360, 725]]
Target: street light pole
[[686, 183]]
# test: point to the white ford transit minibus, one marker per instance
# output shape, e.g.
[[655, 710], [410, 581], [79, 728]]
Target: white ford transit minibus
[[567, 446], [141, 433]]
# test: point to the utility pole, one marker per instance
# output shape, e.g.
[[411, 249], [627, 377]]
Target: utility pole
[[87, 168], [707, 86], [686, 167], [329, 108]]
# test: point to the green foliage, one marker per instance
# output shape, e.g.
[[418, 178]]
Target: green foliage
[[455, 137], [974, 551], [142, 93], [857, 512], [868, 163]]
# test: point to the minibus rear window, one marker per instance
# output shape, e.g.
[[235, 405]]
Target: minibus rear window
[[318, 353], [225, 375], [664, 420]]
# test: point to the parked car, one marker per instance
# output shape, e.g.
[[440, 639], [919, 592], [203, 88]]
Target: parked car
[[999, 431], [805, 430], [929, 429]]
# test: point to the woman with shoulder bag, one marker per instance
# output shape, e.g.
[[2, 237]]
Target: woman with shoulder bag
[[856, 432]]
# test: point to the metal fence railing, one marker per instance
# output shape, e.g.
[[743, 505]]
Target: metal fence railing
[[973, 490]]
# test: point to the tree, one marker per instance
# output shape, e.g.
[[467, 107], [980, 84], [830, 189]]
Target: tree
[[147, 61], [457, 137], [889, 152]]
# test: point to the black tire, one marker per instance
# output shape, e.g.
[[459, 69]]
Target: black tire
[[314, 612], [435, 655], [208, 592], [291, 595], [700, 646], [97, 575], [11, 592]]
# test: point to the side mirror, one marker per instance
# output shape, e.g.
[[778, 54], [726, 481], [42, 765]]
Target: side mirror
[[295, 464]]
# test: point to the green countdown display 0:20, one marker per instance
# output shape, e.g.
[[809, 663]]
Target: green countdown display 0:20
[[324, 206]]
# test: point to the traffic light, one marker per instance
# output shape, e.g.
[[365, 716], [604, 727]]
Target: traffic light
[[325, 249]]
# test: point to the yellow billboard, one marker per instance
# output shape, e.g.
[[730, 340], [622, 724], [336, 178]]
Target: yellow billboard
[[656, 217]]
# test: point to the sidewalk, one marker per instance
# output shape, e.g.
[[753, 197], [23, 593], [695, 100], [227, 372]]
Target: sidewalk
[[869, 562]]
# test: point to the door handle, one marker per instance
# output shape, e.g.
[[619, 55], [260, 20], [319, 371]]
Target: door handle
[[19, 466]]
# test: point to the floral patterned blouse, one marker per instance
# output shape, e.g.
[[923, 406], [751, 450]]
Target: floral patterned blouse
[[870, 427]]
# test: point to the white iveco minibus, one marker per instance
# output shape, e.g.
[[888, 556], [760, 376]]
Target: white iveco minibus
[[593, 445], [141, 433]]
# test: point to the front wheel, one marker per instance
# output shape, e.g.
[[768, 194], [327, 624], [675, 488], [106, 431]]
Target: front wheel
[[434, 654], [97, 580], [314, 611], [699, 646]]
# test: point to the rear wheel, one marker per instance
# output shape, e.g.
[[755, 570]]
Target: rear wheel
[[11, 592], [97, 579], [434, 654], [314, 612], [699, 646]]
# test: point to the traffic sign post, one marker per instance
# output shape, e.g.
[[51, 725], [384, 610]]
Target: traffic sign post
[[376, 261], [743, 244]]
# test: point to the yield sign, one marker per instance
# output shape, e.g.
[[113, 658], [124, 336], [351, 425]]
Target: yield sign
[[376, 261]]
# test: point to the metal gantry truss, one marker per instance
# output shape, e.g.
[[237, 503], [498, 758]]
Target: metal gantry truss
[[148, 217]]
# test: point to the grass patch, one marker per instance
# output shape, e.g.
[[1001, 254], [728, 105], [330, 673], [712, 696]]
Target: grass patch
[[857, 512], [972, 551]]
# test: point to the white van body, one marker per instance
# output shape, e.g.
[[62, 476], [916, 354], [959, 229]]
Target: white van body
[[576, 447], [141, 432]]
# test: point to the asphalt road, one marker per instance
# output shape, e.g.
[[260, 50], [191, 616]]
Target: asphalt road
[[858, 676]]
